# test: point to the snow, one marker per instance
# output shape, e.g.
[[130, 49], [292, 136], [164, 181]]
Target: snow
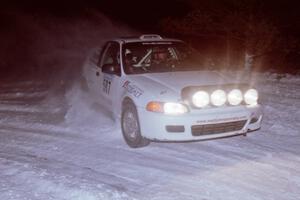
[[65, 146]]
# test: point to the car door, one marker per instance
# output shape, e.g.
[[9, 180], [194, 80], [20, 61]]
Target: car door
[[91, 70], [109, 83]]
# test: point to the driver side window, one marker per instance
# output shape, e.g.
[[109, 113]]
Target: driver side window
[[111, 55]]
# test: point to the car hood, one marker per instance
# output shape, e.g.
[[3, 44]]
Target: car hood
[[171, 83]]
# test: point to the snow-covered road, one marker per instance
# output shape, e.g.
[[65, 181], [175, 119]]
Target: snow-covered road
[[62, 146]]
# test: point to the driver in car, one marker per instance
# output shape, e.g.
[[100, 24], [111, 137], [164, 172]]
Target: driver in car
[[129, 62], [159, 56]]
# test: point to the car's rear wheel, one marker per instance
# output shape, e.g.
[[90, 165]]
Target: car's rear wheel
[[131, 126]]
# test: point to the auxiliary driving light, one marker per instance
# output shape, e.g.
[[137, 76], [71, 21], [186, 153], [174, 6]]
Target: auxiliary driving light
[[218, 97], [251, 97], [235, 97], [200, 99]]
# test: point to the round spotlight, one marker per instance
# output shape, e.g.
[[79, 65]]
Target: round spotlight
[[200, 99], [251, 97], [235, 97], [218, 97]]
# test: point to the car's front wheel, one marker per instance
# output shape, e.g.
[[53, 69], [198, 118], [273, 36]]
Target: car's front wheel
[[131, 126]]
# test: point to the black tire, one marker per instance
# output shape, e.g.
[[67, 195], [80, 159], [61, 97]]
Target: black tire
[[134, 139]]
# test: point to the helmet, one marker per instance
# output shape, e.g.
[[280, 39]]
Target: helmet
[[128, 54], [127, 51]]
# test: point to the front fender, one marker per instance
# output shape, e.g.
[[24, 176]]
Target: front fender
[[141, 94]]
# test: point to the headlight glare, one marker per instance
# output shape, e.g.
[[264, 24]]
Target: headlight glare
[[169, 108], [235, 97], [218, 97], [174, 108], [251, 97], [200, 99]]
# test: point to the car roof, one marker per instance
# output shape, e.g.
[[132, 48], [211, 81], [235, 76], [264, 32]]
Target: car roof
[[145, 38]]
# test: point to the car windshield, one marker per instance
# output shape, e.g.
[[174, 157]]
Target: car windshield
[[157, 57]]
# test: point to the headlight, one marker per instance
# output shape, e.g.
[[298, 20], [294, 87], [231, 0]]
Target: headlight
[[175, 108], [251, 97], [169, 108], [218, 97], [235, 97], [200, 99]]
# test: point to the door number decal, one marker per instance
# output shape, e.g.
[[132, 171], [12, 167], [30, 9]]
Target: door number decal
[[106, 85]]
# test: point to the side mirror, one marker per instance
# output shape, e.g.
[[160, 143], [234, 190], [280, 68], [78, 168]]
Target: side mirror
[[111, 69]]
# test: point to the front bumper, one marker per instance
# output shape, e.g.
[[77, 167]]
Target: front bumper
[[200, 124]]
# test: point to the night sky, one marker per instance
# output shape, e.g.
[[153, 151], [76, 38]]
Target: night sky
[[140, 14], [145, 14]]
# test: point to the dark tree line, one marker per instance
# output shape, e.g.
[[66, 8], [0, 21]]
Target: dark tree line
[[246, 22]]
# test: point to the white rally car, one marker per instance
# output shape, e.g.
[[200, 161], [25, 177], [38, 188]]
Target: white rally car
[[160, 92]]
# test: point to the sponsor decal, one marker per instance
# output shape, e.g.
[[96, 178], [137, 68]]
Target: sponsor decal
[[163, 92], [132, 89], [221, 120]]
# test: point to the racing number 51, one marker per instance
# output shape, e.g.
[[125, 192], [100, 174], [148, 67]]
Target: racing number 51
[[106, 86]]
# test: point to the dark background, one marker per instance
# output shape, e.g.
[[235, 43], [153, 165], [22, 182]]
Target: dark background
[[40, 37]]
